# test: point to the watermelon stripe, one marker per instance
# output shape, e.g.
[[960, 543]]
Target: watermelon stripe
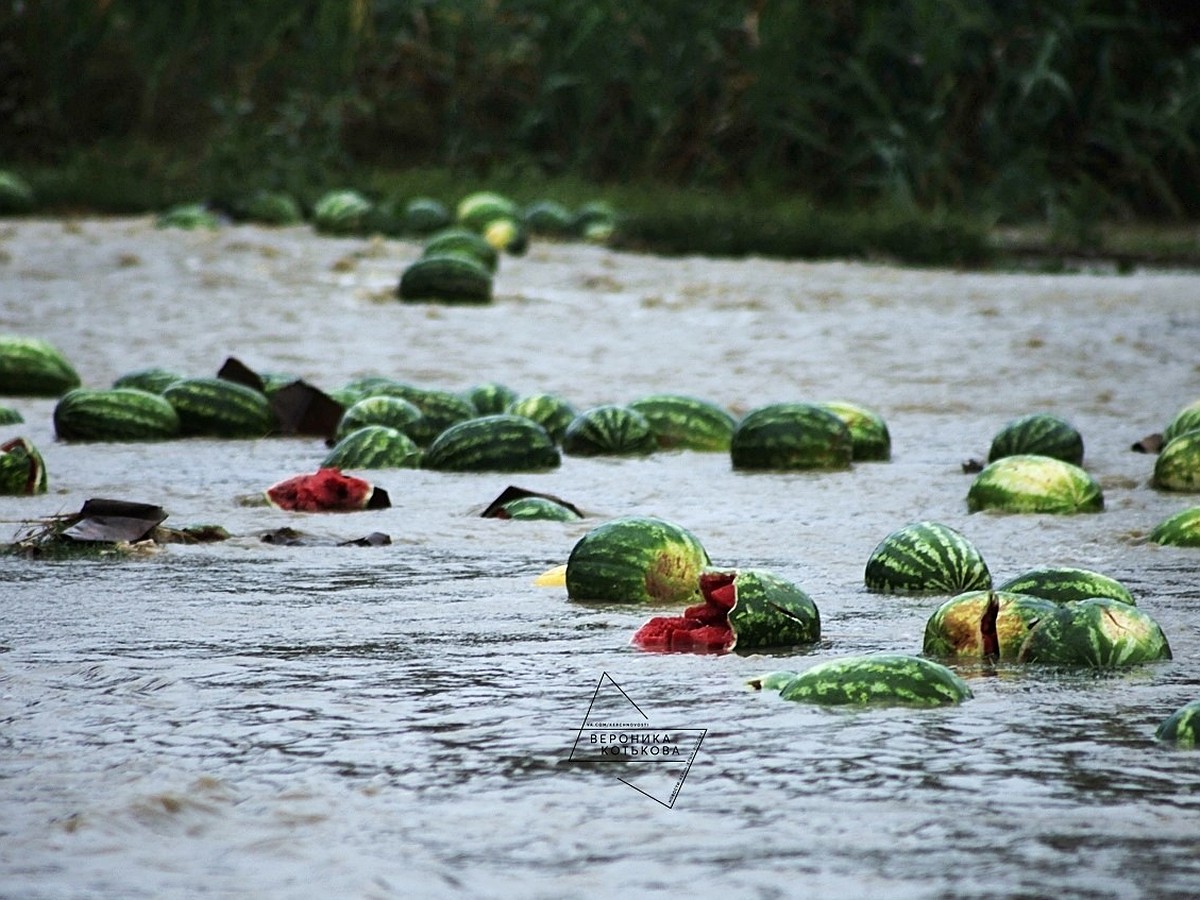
[[926, 557]]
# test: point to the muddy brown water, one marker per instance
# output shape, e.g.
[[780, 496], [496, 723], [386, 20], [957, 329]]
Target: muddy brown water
[[246, 719]]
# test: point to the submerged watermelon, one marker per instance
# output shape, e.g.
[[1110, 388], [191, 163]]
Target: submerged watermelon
[[439, 409], [508, 235], [870, 440], [1099, 632], [9, 416], [22, 470], [1062, 584], [464, 243], [984, 624], [500, 443], [445, 278], [116, 414], [425, 215], [636, 559], [548, 217], [1179, 530], [527, 508], [609, 430], [153, 379], [680, 422], [33, 367], [341, 212], [926, 557], [478, 210], [1041, 434], [189, 216], [1182, 727], [1028, 483], [885, 679], [381, 409], [326, 490], [374, 447], [549, 410], [16, 196], [745, 610], [214, 407], [272, 208], [1178, 465], [1187, 419], [595, 221], [791, 436], [491, 397]]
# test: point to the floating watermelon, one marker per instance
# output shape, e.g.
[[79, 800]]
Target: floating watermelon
[[609, 430], [870, 440], [1178, 465], [883, 679], [1040, 434], [115, 414], [548, 217], [340, 212], [439, 409], [1099, 632], [527, 508], [478, 210], [10, 416], [152, 379], [984, 624], [374, 447], [189, 216], [595, 222], [1187, 419], [926, 557], [34, 367], [550, 411], [16, 196], [425, 215], [745, 610], [491, 397], [1028, 483], [445, 278], [462, 242], [1179, 530], [1062, 584], [22, 470], [508, 235], [791, 436], [272, 208], [681, 422], [326, 490], [500, 443], [636, 559], [381, 409], [1182, 727], [215, 407]]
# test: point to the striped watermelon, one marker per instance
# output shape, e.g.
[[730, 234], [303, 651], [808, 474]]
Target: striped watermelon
[[34, 367], [1187, 419], [382, 409], [1062, 584], [490, 397], [680, 422], [548, 217], [439, 409], [1178, 465], [214, 407], [10, 416], [791, 436], [1179, 530], [870, 440], [464, 243], [22, 469], [340, 212], [1028, 483], [16, 196], [1099, 632], [478, 210], [153, 379], [636, 559], [537, 508], [609, 430], [499, 443], [549, 410], [1040, 434], [445, 278], [425, 215], [1182, 727], [745, 610], [374, 447], [984, 624], [116, 414], [926, 557], [884, 679]]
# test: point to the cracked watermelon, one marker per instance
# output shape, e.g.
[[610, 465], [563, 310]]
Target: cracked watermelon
[[326, 490], [882, 679], [745, 610], [1099, 632], [637, 559], [991, 624], [22, 470]]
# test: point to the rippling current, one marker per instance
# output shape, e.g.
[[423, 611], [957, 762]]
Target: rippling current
[[250, 719]]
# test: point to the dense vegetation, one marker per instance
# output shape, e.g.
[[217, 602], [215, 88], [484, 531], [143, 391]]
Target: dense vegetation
[[1058, 111]]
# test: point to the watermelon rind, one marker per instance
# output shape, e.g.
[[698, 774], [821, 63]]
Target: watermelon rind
[[33, 367], [636, 559], [790, 436], [1187, 419], [770, 611], [1028, 483], [1062, 584], [1179, 530], [445, 278], [1182, 727], [497, 443], [983, 624], [153, 379], [114, 414], [552, 412], [381, 409], [609, 430], [926, 558], [526, 508], [215, 407], [870, 440], [22, 469], [883, 679], [1041, 434], [682, 422], [340, 212], [374, 447], [1177, 467], [1098, 633]]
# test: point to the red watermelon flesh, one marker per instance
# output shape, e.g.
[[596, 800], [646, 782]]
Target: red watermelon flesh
[[326, 490], [703, 628]]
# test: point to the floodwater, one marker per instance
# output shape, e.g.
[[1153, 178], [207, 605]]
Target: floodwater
[[249, 719]]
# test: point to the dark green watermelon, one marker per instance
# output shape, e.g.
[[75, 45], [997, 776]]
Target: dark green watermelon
[[374, 447], [1041, 434], [609, 430], [791, 436], [500, 443], [682, 422]]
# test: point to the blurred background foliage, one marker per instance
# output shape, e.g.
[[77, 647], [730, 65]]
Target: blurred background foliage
[[1056, 111]]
